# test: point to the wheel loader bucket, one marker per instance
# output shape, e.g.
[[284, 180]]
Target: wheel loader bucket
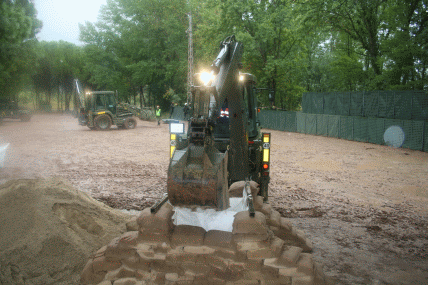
[[197, 175]]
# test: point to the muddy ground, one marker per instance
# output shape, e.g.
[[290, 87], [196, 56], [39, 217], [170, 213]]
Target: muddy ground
[[363, 206]]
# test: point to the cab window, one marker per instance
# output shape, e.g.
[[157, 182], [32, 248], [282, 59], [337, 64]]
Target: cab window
[[100, 102]]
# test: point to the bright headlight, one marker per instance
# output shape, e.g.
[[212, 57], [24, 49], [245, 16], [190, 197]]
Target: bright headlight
[[206, 77]]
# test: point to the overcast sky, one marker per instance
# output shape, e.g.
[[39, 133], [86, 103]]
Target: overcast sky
[[61, 18]]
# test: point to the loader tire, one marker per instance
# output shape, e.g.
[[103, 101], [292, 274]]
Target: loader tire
[[102, 122], [130, 123]]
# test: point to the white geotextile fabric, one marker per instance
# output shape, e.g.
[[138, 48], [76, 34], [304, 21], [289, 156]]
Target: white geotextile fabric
[[210, 219], [3, 153]]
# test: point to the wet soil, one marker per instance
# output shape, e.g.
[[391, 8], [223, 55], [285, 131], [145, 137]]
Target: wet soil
[[363, 206]]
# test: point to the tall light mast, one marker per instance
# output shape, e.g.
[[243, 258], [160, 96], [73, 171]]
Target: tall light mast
[[190, 59]]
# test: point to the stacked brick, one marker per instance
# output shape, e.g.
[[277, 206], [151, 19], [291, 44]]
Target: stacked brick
[[260, 250]]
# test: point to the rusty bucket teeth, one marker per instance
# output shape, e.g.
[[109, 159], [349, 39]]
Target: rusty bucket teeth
[[197, 176]]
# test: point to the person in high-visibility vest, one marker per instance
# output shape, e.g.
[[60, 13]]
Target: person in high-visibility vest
[[158, 114]]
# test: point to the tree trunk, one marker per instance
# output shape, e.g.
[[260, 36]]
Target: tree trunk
[[142, 99]]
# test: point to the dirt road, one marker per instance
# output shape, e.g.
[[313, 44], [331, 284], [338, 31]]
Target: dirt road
[[363, 206]]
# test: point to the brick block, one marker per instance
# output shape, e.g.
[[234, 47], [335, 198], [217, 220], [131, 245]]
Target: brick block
[[249, 228], [100, 252], [258, 203], [305, 264], [160, 222], [216, 262], [195, 269], [290, 272], [122, 272], [260, 253], [187, 235], [128, 281], [132, 225], [274, 219], [266, 209], [319, 277], [306, 280], [105, 282], [251, 245], [218, 239], [236, 269], [226, 253], [286, 225], [143, 275], [122, 246], [290, 255], [214, 280], [254, 264], [149, 236], [87, 273], [157, 277], [277, 246], [166, 267], [272, 266], [237, 188], [101, 264], [178, 256], [244, 282], [174, 278], [199, 249]]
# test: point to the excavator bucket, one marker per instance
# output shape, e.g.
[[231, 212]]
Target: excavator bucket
[[197, 175]]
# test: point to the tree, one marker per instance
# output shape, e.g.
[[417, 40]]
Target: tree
[[405, 44], [138, 43], [57, 64], [18, 27], [272, 35]]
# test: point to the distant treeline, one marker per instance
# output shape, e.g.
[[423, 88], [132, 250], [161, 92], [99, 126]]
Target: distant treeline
[[140, 49]]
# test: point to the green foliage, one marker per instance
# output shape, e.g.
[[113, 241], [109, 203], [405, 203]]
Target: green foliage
[[272, 34], [140, 47], [138, 43], [56, 67], [18, 26]]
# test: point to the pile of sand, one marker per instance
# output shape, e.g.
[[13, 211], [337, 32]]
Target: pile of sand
[[48, 230]]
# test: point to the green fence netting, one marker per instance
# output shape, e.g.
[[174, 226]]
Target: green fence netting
[[356, 108], [330, 104], [426, 138], [343, 103], [402, 105], [266, 118], [317, 103], [262, 118], [311, 124], [375, 130], [282, 116], [355, 128], [333, 126], [322, 125], [420, 106], [386, 104], [306, 102], [371, 104], [291, 122], [360, 129], [346, 130], [414, 134], [301, 122]]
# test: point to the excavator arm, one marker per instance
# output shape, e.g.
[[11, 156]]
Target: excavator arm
[[199, 173]]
